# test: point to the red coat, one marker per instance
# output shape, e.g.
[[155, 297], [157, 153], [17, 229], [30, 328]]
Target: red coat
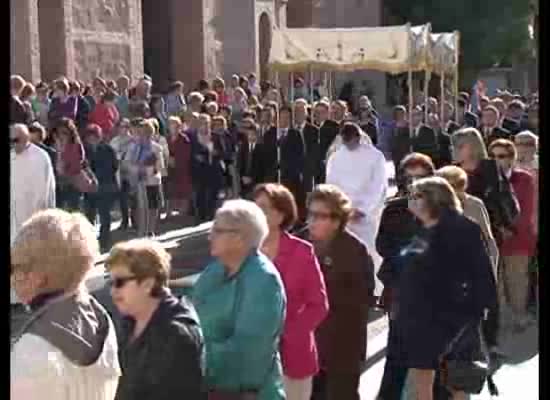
[[524, 241], [307, 305], [106, 116]]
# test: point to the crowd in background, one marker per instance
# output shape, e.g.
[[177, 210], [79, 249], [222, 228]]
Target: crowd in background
[[283, 309]]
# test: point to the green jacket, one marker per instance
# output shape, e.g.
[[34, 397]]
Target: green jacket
[[242, 320]]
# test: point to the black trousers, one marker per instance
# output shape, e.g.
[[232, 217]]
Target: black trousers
[[68, 198], [336, 386], [100, 203], [124, 203], [395, 376], [206, 202]]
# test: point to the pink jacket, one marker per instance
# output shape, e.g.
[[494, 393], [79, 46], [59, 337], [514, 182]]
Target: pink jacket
[[307, 305], [524, 241]]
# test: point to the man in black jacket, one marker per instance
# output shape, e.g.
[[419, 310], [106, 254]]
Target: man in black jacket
[[490, 128], [465, 117], [514, 121], [328, 130], [249, 157], [38, 135], [448, 124], [309, 135]]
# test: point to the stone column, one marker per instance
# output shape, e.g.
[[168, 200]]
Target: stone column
[[25, 45]]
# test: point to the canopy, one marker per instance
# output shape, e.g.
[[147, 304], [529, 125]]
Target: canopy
[[385, 49], [421, 57], [444, 48]]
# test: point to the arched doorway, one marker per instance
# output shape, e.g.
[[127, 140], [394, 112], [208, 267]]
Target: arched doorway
[[265, 45]]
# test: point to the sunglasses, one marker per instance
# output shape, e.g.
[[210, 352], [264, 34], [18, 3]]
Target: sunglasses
[[120, 282], [501, 156], [319, 215]]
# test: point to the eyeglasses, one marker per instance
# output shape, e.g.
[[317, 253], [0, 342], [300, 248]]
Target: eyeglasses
[[501, 156], [319, 215], [120, 282], [219, 231]]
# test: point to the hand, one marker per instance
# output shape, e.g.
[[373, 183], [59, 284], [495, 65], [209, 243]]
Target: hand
[[357, 215]]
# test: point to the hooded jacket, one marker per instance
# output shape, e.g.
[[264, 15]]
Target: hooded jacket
[[68, 352]]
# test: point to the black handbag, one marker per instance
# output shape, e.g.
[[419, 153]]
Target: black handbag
[[468, 376]]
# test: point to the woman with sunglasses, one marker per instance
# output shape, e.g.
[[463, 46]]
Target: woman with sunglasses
[[348, 271], [445, 286], [162, 350], [520, 244], [241, 303], [304, 285]]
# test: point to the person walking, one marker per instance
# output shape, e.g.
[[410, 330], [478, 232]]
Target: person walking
[[307, 303], [240, 299]]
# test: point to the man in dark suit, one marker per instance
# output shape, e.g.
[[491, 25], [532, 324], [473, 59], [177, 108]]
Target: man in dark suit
[[249, 157], [490, 129], [466, 118], [284, 153], [443, 155], [448, 124], [328, 130], [513, 121], [309, 135]]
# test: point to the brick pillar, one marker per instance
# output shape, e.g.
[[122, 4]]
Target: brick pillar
[[25, 45]]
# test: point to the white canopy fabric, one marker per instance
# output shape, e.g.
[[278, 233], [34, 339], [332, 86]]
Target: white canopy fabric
[[422, 57], [385, 49], [444, 48]]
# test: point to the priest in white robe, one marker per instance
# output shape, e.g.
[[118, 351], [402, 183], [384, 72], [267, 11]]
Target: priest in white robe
[[32, 183], [359, 169]]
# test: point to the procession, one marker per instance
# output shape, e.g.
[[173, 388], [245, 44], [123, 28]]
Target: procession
[[248, 235]]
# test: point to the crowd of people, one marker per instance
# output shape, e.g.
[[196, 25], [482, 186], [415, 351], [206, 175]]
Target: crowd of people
[[302, 228]]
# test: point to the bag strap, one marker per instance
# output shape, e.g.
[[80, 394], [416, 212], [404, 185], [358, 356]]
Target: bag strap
[[455, 340]]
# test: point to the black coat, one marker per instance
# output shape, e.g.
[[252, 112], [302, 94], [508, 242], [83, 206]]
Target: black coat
[[511, 126], [292, 157], [426, 142], [444, 154], [250, 165], [496, 133], [312, 151], [206, 168], [167, 360], [327, 133], [447, 282], [104, 164]]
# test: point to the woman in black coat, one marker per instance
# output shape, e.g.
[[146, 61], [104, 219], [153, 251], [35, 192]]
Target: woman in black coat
[[446, 283], [161, 346]]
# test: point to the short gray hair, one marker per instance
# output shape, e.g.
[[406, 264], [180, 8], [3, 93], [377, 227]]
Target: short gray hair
[[247, 218], [527, 136]]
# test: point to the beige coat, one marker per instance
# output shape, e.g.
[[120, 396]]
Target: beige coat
[[476, 211]]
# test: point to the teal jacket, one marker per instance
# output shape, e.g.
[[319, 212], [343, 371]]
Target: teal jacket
[[242, 320]]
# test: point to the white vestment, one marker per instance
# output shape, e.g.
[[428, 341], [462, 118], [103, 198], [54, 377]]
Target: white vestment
[[361, 174], [32, 185]]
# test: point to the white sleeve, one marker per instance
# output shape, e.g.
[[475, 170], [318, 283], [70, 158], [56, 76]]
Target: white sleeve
[[35, 368], [377, 185], [49, 198]]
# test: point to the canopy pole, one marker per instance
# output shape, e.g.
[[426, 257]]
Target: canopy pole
[[442, 98], [277, 128], [427, 76], [311, 85], [456, 74], [411, 100], [291, 99]]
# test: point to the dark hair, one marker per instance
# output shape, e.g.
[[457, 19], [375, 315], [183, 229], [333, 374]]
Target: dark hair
[[203, 84], [415, 160], [349, 131], [248, 113], [38, 129], [281, 199], [462, 103], [69, 127], [465, 96], [250, 124], [175, 85], [211, 96], [242, 80]]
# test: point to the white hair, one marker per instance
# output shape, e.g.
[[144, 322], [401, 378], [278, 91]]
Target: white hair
[[527, 136], [247, 218], [196, 96]]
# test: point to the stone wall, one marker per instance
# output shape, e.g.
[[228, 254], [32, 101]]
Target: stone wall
[[25, 44]]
